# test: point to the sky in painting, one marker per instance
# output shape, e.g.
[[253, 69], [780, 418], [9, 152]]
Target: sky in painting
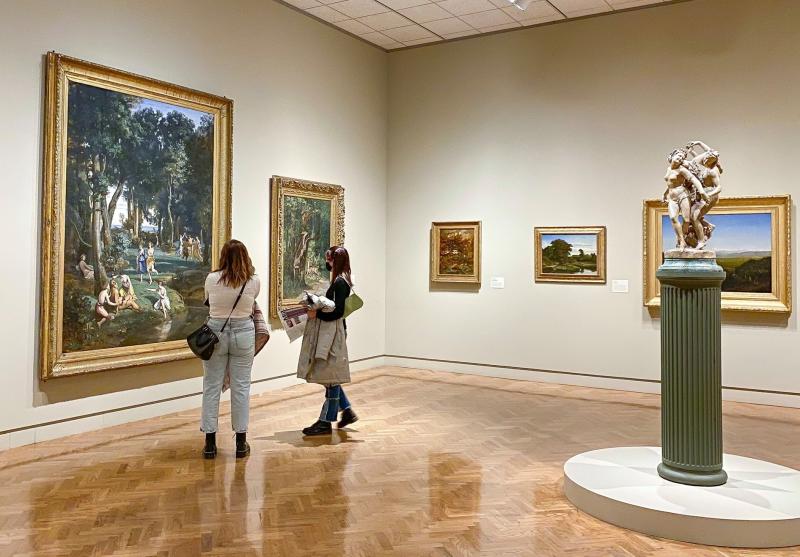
[[737, 232], [193, 115], [586, 242]]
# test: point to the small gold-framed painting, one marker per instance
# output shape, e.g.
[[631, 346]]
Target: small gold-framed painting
[[136, 205], [307, 219], [456, 252], [570, 254], [751, 237]]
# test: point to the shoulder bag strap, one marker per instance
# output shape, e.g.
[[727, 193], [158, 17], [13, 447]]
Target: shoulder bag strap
[[239, 297]]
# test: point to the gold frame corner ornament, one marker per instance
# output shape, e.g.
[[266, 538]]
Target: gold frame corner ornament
[[539, 276], [280, 186], [779, 301], [60, 71], [438, 278]]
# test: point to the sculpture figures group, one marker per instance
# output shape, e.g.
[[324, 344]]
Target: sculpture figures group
[[693, 188]]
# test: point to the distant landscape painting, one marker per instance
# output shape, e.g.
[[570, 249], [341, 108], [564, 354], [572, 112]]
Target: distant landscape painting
[[136, 178], [574, 254], [743, 243]]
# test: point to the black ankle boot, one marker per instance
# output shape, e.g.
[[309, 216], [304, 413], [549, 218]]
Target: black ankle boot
[[348, 417], [210, 450], [318, 428], [242, 446]]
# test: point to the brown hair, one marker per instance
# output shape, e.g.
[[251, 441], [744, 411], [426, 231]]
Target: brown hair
[[341, 264], [235, 264]]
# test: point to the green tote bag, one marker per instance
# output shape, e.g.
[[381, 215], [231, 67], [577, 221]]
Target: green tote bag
[[352, 303]]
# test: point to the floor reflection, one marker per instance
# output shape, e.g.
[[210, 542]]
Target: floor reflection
[[454, 487], [305, 500]]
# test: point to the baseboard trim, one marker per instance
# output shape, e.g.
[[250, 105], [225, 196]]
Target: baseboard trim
[[161, 401], [636, 384]]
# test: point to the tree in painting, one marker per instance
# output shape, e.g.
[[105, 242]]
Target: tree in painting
[[306, 237], [558, 256], [138, 219]]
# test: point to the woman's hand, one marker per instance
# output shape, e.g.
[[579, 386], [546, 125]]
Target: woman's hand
[[312, 314]]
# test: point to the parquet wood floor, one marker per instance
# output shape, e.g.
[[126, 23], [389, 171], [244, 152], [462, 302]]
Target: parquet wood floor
[[439, 465]]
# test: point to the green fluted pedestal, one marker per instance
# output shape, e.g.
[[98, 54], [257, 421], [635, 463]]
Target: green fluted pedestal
[[691, 371]]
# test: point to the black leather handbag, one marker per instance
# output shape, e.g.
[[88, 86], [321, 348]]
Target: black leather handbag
[[203, 340]]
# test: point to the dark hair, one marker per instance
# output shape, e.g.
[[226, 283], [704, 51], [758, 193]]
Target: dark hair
[[235, 264], [341, 264]]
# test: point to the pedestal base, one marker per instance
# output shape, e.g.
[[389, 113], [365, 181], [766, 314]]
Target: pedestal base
[[686, 477], [759, 506]]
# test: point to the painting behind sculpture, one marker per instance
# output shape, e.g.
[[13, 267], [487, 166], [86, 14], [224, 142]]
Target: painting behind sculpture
[[743, 244]]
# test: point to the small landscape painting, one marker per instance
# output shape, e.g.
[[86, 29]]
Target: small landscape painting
[[575, 254]]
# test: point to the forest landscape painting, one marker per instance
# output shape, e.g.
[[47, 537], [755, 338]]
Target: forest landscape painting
[[456, 252], [139, 189], [307, 218], [138, 205]]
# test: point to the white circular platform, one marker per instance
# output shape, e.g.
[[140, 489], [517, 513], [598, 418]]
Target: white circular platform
[[758, 507]]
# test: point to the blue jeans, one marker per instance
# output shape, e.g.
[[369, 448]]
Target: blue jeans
[[234, 351], [335, 400]]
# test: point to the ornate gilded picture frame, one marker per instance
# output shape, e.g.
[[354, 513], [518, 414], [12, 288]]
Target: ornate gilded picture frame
[[456, 252], [752, 239], [570, 254], [307, 218], [136, 203]]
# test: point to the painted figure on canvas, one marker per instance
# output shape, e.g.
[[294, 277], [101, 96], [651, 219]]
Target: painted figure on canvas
[[307, 233], [138, 186]]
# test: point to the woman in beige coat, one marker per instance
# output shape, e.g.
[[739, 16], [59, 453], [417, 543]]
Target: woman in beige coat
[[323, 355]]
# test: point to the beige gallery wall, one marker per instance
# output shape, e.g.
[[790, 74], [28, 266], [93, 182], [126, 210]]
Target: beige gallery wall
[[309, 102], [570, 125]]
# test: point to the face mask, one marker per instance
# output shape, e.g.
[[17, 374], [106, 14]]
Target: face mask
[[328, 266]]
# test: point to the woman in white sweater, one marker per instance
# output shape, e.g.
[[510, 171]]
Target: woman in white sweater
[[230, 293]]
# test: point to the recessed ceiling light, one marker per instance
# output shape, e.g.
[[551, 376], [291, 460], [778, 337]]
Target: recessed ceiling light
[[521, 4]]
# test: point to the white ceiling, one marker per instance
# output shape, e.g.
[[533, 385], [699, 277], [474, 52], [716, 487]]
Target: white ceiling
[[393, 24]]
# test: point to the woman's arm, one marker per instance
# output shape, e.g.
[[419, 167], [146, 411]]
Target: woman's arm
[[340, 292]]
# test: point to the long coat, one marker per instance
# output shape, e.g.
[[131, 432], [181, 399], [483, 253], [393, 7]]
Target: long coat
[[323, 354]]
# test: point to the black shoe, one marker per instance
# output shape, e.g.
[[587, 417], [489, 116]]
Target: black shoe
[[348, 417], [318, 428], [210, 450], [242, 446]]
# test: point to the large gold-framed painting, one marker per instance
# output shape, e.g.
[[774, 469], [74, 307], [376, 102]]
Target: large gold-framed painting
[[137, 188], [751, 238], [570, 254], [307, 219], [456, 252]]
